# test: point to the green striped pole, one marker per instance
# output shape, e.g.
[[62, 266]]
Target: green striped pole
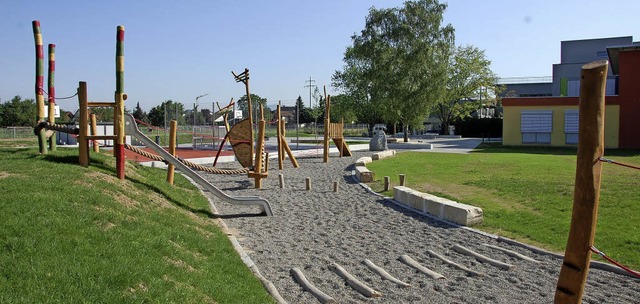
[[37, 37], [120, 97], [52, 93]]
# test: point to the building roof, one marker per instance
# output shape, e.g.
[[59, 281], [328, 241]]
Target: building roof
[[614, 54]]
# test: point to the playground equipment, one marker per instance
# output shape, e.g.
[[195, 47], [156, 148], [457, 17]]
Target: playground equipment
[[44, 136], [282, 142], [241, 138], [132, 129], [333, 131]]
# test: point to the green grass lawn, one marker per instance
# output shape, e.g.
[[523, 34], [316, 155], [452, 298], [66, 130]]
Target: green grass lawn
[[79, 235], [527, 193]]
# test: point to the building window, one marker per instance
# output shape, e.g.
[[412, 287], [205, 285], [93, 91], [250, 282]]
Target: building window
[[536, 127], [571, 127]]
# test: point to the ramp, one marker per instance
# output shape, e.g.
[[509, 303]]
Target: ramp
[[131, 128]]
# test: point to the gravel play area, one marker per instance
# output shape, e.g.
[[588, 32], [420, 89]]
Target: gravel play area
[[317, 230]]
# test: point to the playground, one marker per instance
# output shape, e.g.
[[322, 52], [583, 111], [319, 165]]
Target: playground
[[315, 233]]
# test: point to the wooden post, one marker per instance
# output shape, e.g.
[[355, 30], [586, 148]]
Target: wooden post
[[52, 94], [327, 122], [120, 97], [307, 183], [281, 180], [279, 136], [258, 160], [575, 266], [335, 186], [401, 176], [83, 145], [93, 131], [173, 130], [39, 87], [386, 183]]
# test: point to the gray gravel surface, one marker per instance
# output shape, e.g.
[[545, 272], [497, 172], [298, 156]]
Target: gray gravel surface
[[312, 229]]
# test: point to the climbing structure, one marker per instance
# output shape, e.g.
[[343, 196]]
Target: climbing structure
[[241, 138], [282, 142], [333, 131]]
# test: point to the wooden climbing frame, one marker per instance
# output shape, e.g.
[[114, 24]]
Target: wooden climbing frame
[[282, 142], [334, 131]]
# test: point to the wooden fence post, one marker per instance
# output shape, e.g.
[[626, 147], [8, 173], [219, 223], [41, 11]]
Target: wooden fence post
[[173, 130], [401, 176]]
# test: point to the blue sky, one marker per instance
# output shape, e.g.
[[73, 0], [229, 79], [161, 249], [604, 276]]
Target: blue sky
[[181, 49]]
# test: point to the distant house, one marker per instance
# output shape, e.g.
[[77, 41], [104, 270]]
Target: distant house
[[288, 114], [553, 120]]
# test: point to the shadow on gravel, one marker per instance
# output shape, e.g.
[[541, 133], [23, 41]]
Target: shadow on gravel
[[425, 219]]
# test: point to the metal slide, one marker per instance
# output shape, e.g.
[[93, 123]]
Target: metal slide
[[131, 128]]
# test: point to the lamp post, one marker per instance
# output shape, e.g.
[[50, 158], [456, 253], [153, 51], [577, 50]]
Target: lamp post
[[195, 109]]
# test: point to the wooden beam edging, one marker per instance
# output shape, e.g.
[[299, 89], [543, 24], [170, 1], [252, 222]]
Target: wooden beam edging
[[299, 277], [454, 264], [411, 262], [384, 274], [512, 253], [354, 283], [463, 250]]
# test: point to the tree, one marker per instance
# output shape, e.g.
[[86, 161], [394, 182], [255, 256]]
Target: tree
[[162, 114], [341, 108], [18, 112], [256, 102], [399, 61], [470, 81], [305, 116], [139, 114]]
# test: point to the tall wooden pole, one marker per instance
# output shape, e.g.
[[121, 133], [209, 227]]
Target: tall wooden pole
[[327, 122], [173, 131], [246, 86], [279, 136], [94, 131], [83, 145], [120, 97], [37, 37], [52, 93], [575, 266]]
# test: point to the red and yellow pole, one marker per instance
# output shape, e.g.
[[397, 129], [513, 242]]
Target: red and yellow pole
[[52, 93], [37, 37], [120, 97]]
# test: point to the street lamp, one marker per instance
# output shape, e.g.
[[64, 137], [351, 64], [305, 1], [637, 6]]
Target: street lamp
[[195, 109]]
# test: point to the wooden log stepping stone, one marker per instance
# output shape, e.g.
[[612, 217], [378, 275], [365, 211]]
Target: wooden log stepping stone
[[512, 253], [384, 274], [411, 262], [354, 283], [299, 277], [454, 264], [459, 249]]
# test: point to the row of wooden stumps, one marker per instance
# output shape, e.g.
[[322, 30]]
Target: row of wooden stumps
[[387, 181], [45, 137], [307, 183]]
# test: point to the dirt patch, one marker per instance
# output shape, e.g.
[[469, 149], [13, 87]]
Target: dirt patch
[[179, 263], [141, 287], [4, 174]]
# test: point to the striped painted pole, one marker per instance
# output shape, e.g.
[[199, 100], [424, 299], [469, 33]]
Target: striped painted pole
[[37, 37], [52, 92], [120, 97]]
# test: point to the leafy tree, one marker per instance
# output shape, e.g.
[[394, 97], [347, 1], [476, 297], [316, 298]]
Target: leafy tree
[[341, 108], [139, 114], [162, 114], [305, 116], [18, 112], [398, 64], [256, 102], [470, 81]]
